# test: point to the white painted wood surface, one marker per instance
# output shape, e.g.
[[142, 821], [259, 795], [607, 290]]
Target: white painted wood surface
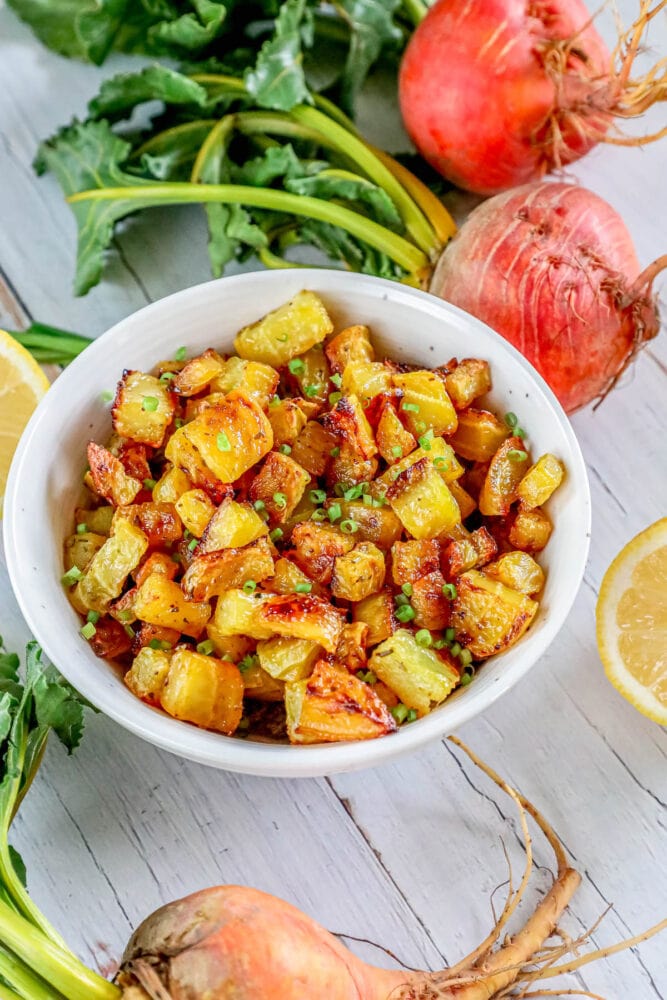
[[408, 854]]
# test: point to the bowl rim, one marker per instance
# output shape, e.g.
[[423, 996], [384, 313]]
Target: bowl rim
[[270, 759]]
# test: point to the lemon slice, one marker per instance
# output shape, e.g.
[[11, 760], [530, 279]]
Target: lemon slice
[[22, 385], [631, 619]]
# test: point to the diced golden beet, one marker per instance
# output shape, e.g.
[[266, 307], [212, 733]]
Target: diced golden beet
[[232, 526], [426, 391], [349, 468], [415, 558], [195, 511], [238, 613], [540, 482], [183, 455], [506, 470], [530, 530], [317, 546], [231, 437], [198, 373], [312, 448], [195, 406], [287, 577], [430, 604], [261, 686], [393, 440], [351, 649], [156, 562], [303, 616], [473, 478], [288, 331], [471, 378], [517, 570], [143, 408], [252, 378], [287, 420], [348, 424], [485, 545], [158, 521], [358, 573], [123, 609], [147, 675], [212, 573], [110, 640], [376, 611], [353, 344], [376, 524], [472, 550], [160, 601], [109, 478], [365, 379], [422, 501], [171, 485], [312, 377], [419, 677], [135, 460], [288, 659], [333, 705], [479, 435], [97, 521], [110, 567], [151, 635], [439, 453], [464, 501], [488, 616], [229, 647], [203, 690], [80, 549], [279, 485]]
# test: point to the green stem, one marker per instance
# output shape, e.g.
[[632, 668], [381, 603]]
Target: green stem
[[404, 253], [23, 979], [50, 345], [415, 10], [56, 965], [7, 994]]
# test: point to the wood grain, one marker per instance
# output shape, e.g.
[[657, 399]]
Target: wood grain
[[410, 853]]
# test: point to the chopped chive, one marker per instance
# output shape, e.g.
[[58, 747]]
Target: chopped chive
[[259, 505], [367, 676], [441, 463], [81, 529], [192, 545], [420, 427], [125, 616], [511, 420], [285, 449], [410, 407], [337, 380], [466, 678], [282, 339], [397, 451], [369, 501], [222, 442], [400, 599], [450, 634], [180, 354], [394, 474], [178, 423], [425, 440], [440, 644], [311, 390], [405, 613], [423, 638], [274, 401], [465, 658], [303, 588], [72, 576], [412, 715], [407, 589], [296, 366], [456, 648], [519, 432], [150, 404], [88, 630], [106, 396], [280, 500], [167, 376], [247, 662], [334, 512], [449, 590], [348, 526], [206, 647], [517, 455], [187, 534], [249, 586], [400, 712], [160, 644], [317, 496], [93, 617], [339, 489], [149, 484], [129, 631], [318, 515], [276, 534], [354, 492], [335, 452], [334, 397]]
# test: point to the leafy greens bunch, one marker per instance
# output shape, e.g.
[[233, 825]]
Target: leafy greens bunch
[[276, 44], [268, 179]]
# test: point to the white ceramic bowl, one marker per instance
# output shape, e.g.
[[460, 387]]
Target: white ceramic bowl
[[45, 483]]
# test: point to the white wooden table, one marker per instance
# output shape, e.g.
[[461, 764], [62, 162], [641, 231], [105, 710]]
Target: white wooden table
[[407, 854]]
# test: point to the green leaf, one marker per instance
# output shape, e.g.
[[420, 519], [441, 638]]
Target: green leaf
[[193, 31], [338, 244], [278, 80], [83, 29], [372, 29], [7, 705], [19, 866], [331, 184], [125, 91], [277, 162], [170, 155], [59, 707]]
